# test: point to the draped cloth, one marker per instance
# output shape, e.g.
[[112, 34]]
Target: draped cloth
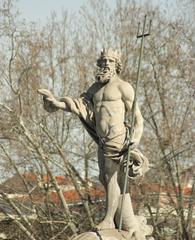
[[83, 108]]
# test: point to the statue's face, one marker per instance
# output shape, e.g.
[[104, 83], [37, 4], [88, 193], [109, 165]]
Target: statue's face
[[106, 69]]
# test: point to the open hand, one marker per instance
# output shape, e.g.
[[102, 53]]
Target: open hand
[[49, 101]]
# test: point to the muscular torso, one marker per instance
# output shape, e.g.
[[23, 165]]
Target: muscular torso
[[110, 110]]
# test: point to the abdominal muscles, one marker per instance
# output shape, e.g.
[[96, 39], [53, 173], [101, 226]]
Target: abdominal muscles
[[110, 121]]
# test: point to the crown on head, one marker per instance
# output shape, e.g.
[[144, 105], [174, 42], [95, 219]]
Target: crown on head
[[110, 52]]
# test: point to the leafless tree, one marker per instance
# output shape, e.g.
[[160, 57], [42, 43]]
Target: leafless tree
[[61, 56]]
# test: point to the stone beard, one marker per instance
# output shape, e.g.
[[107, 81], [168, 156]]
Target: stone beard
[[103, 109], [104, 74]]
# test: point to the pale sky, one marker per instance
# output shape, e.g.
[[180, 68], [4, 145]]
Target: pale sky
[[39, 10], [34, 10]]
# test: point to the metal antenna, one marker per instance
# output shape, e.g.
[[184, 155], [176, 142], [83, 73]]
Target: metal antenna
[[142, 36]]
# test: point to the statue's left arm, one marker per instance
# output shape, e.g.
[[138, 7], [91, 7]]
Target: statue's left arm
[[128, 98]]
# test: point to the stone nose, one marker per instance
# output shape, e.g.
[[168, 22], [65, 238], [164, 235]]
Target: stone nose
[[106, 62]]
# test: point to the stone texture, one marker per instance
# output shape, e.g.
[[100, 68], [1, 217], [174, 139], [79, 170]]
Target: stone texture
[[105, 110], [110, 234]]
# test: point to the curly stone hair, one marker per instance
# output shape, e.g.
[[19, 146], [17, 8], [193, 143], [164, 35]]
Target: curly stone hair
[[113, 54], [118, 66]]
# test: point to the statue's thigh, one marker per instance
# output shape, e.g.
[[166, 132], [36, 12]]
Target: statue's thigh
[[107, 166], [111, 168], [101, 160], [101, 164]]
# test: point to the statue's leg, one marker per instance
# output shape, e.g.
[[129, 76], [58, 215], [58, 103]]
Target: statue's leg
[[112, 194], [129, 220], [101, 164], [102, 174]]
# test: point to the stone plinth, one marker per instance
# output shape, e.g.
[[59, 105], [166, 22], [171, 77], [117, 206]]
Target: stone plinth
[[110, 234]]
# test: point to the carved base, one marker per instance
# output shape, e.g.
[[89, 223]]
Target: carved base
[[109, 234]]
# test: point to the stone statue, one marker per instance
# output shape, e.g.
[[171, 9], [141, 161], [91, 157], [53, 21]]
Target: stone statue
[[104, 109]]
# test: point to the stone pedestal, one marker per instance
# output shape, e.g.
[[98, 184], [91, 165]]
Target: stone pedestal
[[109, 234]]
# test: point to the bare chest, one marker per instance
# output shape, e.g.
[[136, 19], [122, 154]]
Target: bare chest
[[107, 93]]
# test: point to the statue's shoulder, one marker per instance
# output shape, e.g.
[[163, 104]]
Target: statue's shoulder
[[125, 86], [88, 95], [93, 89]]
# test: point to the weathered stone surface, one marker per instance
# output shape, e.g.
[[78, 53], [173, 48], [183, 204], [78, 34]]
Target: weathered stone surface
[[109, 234], [105, 110]]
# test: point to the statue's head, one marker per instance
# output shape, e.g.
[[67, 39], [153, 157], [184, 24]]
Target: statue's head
[[109, 64]]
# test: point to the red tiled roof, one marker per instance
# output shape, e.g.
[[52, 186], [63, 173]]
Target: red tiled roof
[[70, 196], [61, 180], [16, 185], [73, 196], [30, 176]]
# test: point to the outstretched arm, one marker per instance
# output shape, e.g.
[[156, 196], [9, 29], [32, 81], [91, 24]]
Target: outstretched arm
[[50, 103], [128, 98], [68, 104]]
